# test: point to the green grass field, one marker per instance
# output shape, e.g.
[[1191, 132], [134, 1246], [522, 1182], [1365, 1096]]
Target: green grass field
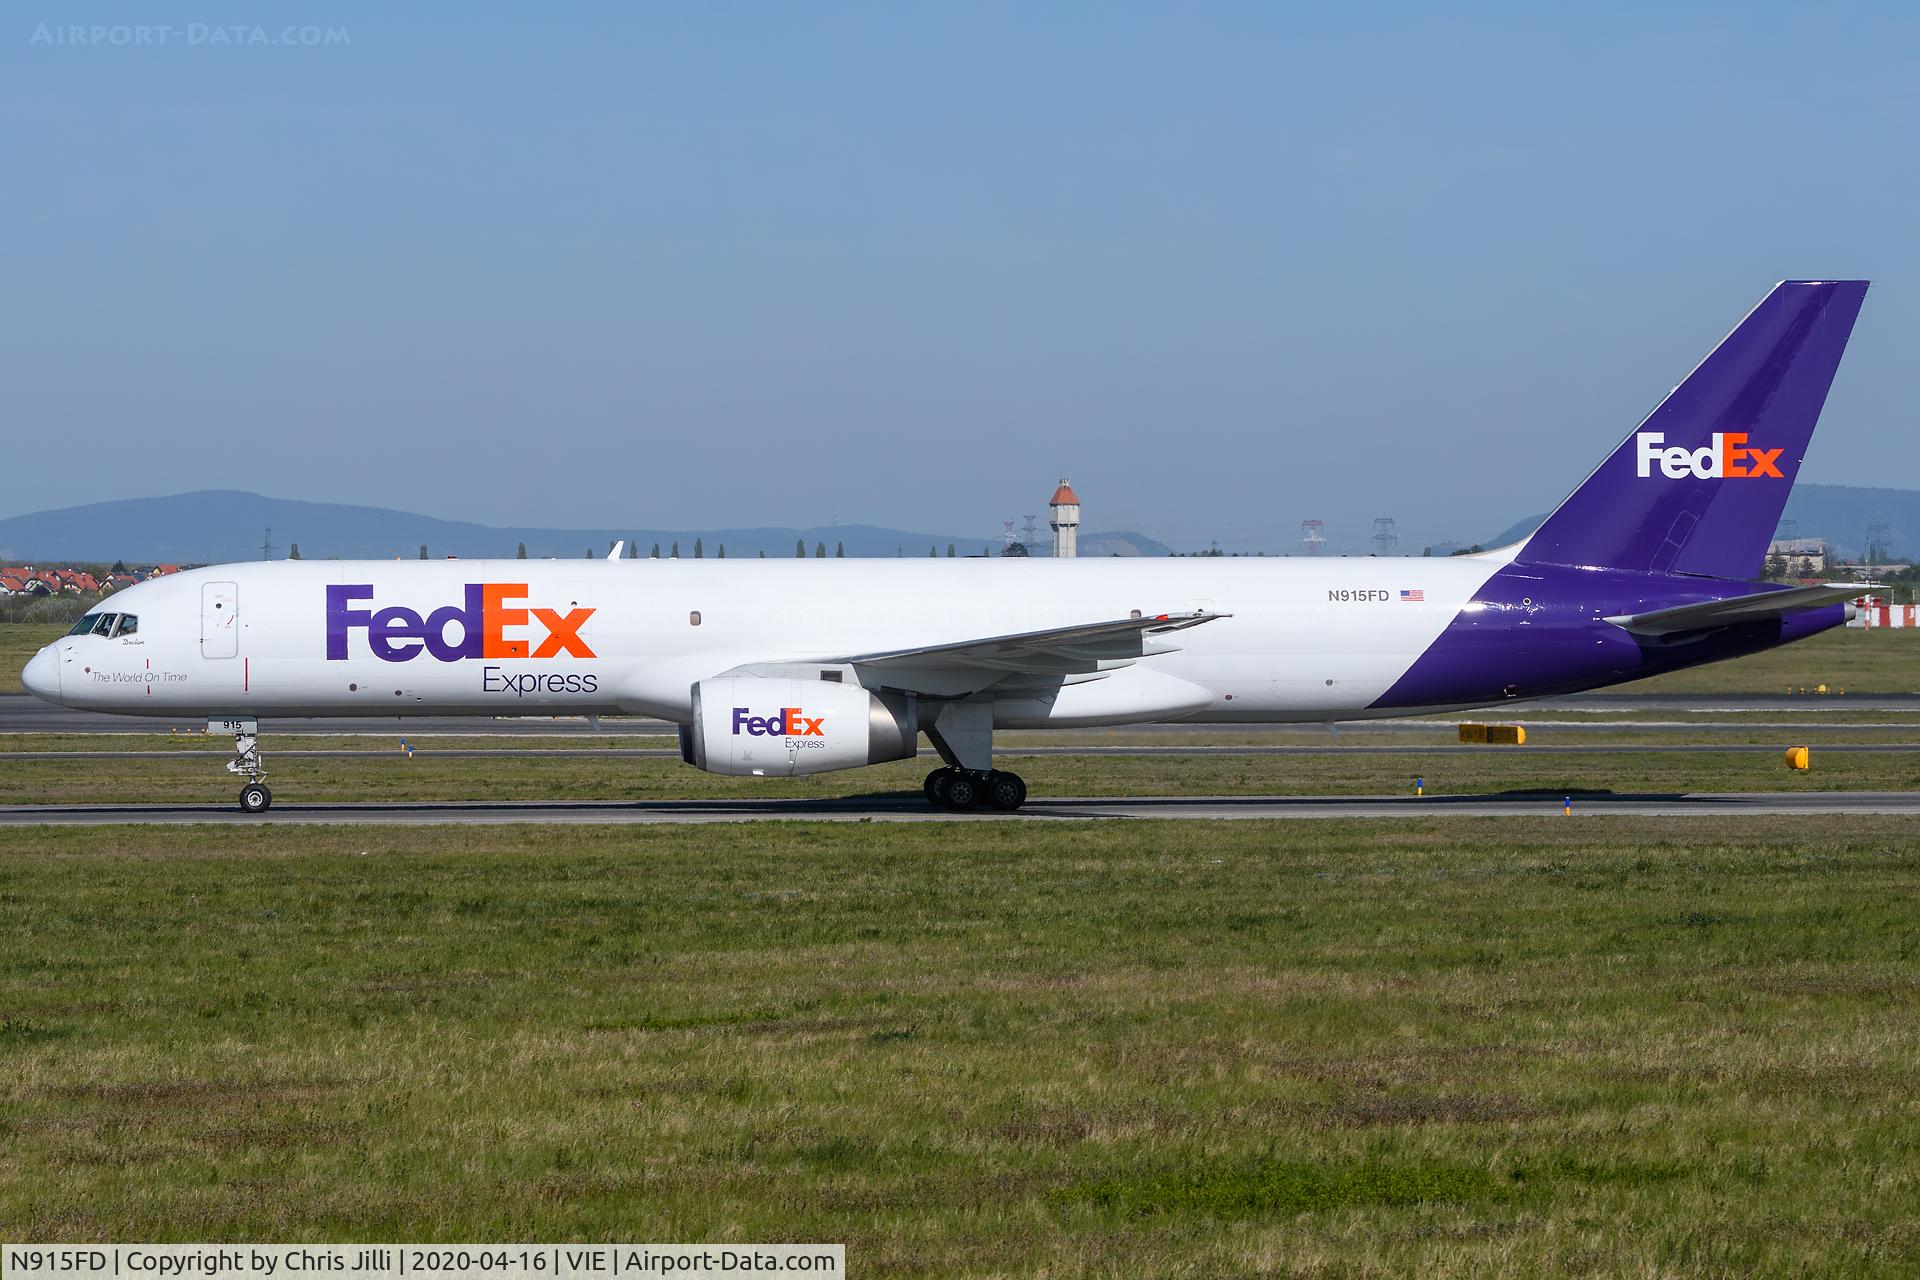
[[1857, 661], [163, 776], [20, 641], [1470, 1048]]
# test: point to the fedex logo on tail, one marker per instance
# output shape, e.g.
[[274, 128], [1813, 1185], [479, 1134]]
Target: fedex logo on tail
[[1727, 458], [492, 621], [789, 723]]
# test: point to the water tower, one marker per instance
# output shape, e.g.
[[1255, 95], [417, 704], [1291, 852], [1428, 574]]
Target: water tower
[[1063, 517]]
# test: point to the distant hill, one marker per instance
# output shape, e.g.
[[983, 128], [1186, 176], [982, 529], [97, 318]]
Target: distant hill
[[1839, 513], [219, 525]]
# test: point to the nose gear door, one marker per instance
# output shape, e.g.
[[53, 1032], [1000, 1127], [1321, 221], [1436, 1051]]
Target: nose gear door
[[219, 620]]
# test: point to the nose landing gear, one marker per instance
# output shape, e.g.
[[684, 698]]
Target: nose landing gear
[[254, 797]]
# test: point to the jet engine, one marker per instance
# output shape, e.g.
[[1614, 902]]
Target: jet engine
[[778, 727]]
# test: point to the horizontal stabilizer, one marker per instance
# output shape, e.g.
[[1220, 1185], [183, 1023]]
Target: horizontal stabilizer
[[1724, 613]]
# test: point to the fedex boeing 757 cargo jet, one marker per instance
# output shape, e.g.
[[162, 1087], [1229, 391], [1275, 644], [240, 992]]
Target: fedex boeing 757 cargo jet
[[779, 667]]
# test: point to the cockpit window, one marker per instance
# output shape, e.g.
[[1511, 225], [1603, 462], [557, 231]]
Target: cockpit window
[[106, 625]]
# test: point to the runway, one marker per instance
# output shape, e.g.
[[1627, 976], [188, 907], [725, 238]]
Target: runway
[[911, 808], [1004, 751]]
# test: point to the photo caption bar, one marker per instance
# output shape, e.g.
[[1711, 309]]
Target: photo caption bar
[[426, 1261]]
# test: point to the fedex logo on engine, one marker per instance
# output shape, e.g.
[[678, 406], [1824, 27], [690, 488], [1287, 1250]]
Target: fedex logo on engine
[[1727, 458], [789, 723], [492, 621]]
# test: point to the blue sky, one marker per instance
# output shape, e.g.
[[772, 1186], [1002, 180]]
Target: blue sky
[[1226, 266]]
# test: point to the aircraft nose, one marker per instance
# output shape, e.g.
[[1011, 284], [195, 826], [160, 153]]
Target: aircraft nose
[[41, 676]]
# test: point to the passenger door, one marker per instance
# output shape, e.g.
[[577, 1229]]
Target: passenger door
[[219, 620]]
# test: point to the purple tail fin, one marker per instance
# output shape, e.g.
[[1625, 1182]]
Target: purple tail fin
[[1699, 487]]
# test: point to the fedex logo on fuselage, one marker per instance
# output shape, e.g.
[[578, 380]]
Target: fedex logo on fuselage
[[789, 723], [492, 621], [1727, 458]]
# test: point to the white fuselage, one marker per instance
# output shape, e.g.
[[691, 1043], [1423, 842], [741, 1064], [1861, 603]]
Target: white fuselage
[[1306, 640]]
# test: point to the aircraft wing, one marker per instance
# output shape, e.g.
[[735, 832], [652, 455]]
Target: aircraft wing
[[1753, 608], [1044, 651], [962, 665], [1022, 659]]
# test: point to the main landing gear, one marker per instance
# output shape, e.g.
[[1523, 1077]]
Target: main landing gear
[[254, 797], [951, 788], [962, 732]]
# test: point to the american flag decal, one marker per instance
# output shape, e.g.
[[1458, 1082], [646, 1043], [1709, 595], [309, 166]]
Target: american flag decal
[[1416, 595]]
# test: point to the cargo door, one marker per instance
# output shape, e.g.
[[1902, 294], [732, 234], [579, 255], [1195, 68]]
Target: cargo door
[[219, 620]]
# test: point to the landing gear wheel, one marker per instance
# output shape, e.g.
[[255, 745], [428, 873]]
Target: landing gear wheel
[[254, 797], [1006, 791], [962, 791], [936, 785]]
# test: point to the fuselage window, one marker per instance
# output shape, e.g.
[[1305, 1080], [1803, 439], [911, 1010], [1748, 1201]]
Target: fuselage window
[[128, 625], [693, 618], [86, 624]]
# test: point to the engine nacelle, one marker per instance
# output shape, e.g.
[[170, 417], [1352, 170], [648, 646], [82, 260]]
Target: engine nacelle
[[777, 727]]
